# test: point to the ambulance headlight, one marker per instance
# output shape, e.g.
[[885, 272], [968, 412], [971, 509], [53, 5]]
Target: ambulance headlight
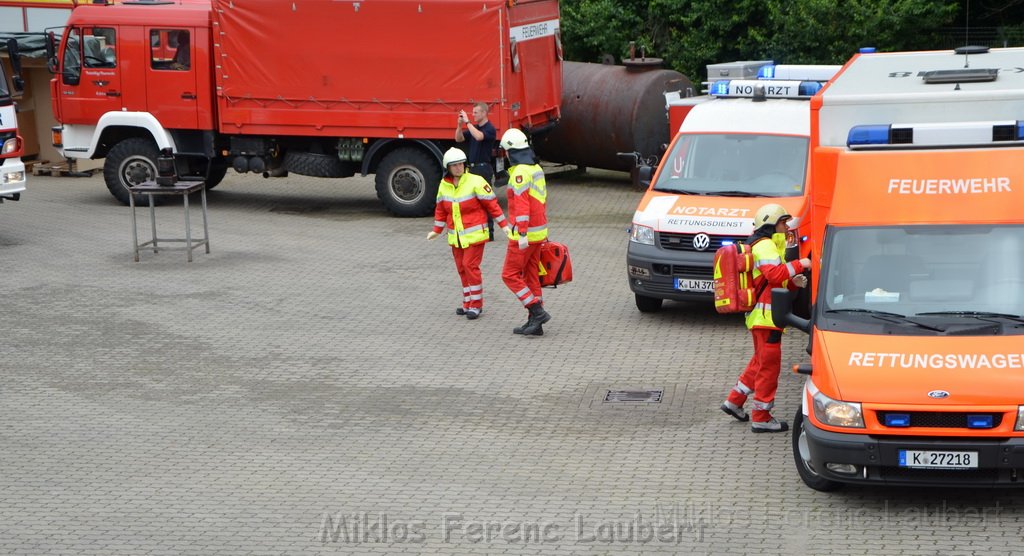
[[11, 145], [642, 234], [836, 413], [1020, 419]]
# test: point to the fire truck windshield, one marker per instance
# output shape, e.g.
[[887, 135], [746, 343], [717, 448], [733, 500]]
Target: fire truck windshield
[[735, 164]]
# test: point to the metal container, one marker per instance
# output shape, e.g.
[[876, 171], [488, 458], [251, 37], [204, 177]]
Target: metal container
[[610, 109]]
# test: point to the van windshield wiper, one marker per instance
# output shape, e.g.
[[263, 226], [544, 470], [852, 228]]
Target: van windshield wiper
[[889, 317], [680, 191], [735, 193], [973, 315], [867, 311]]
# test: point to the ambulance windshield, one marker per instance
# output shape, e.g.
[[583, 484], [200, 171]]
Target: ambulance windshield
[[5, 94], [937, 277], [735, 164]]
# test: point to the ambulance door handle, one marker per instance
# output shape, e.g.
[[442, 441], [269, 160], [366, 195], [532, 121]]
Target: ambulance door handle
[[113, 94], [188, 96]]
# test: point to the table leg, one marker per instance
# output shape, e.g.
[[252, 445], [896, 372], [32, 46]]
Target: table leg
[[188, 230], [135, 233], [206, 229], [152, 219]]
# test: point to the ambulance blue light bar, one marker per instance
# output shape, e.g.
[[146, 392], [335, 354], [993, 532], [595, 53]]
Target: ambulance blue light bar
[[947, 134], [750, 88], [798, 72]]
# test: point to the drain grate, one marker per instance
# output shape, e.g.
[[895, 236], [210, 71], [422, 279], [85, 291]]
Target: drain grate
[[642, 396]]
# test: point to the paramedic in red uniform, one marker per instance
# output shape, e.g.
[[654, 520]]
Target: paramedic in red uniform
[[464, 201], [761, 376], [527, 211]]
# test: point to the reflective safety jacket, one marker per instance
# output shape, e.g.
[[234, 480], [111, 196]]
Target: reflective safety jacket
[[769, 266], [463, 208], [527, 202]]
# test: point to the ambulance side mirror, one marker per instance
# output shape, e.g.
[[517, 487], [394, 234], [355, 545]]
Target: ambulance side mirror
[[782, 311], [644, 175]]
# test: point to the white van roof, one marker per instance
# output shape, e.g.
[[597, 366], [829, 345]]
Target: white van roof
[[743, 115], [922, 87]]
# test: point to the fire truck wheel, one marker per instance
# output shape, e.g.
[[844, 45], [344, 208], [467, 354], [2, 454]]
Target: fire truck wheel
[[407, 181], [648, 304], [802, 458], [129, 163], [217, 173]]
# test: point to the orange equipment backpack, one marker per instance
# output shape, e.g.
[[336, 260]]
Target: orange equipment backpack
[[734, 279], [555, 264]]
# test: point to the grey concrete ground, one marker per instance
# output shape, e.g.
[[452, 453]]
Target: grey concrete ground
[[307, 389]]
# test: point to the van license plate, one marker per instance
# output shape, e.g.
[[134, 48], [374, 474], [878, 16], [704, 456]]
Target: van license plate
[[688, 285], [931, 459]]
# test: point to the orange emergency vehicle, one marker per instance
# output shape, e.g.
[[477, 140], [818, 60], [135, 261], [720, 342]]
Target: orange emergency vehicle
[[313, 87], [12, 169], [917, 325], [744, 144]]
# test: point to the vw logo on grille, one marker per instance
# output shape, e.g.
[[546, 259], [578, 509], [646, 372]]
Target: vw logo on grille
[[701, 242], [938, 394]]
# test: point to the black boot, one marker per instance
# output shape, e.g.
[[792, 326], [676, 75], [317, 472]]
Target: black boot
[[538, 316], [519, 329]]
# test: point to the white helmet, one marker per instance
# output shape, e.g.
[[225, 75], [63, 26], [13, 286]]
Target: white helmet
[[770, 214], [452, 156], [514, 139]]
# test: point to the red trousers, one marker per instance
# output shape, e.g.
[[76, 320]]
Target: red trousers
[[467, 263], [761, 376], [521, 272]]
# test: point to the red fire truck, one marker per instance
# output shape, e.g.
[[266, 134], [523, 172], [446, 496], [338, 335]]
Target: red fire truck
[[320, 88]]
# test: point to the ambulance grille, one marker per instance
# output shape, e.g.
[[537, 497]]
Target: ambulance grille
[[941, 419], [684, 242], [698, 272]]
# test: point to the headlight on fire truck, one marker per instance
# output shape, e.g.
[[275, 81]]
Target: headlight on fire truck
[[642, 234], [834, 412], [1020, 419]]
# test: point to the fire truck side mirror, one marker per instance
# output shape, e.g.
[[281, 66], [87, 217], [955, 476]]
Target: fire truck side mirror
[[51, 52]]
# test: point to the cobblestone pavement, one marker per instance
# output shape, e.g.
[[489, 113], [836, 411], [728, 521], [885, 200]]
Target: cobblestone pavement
[[306, 388]]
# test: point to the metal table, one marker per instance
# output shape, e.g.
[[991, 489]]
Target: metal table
[[182, 188]]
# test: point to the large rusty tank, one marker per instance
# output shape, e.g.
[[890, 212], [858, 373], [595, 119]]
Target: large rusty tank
[[609, 109]]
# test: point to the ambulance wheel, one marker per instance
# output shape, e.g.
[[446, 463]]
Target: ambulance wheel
[[802, 458], [648, 304], [130, 163], [407, 181]]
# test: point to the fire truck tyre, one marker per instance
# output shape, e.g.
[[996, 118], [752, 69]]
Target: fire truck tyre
[[802, 458], [314, 164], [648, 304], [129, 163], [217, 173], [407, 181]]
